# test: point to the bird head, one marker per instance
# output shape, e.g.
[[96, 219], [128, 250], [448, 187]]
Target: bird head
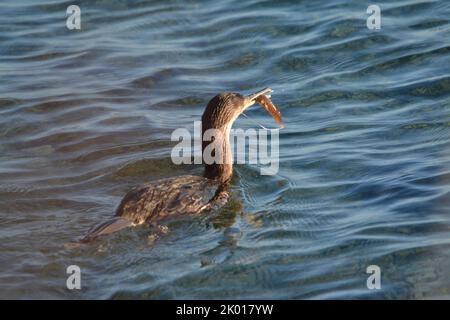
[[226, 107]]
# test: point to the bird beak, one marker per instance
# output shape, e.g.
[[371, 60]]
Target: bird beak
[[257, 94], [263, 99]]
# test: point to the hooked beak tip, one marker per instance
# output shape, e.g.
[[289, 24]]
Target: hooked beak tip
[[257, 94]]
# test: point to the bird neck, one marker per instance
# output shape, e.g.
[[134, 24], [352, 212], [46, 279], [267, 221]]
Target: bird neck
[[216, 151]]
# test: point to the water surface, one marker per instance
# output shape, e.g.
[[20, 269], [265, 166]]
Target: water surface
[[364, 174]]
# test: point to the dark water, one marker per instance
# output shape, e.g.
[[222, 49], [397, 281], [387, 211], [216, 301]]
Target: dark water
[[364, 160]]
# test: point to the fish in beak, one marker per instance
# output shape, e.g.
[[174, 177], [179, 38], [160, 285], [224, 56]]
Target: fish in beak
[[263, 98]]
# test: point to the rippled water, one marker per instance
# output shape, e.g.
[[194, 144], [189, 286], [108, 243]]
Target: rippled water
[[364, 160]]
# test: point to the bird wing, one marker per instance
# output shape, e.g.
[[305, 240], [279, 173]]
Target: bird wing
[[167, 197]]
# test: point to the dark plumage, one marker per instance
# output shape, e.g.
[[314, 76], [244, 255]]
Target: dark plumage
[[189, 194]]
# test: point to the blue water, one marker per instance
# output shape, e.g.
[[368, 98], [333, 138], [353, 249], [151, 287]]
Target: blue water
[[364, 175]]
